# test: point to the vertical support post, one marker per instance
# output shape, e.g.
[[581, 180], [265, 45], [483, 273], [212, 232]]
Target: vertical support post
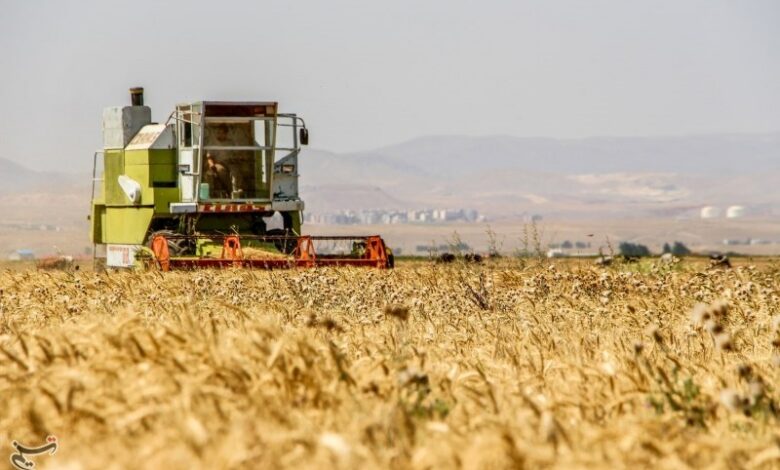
[[231, 249], [304, 253], [161, 253], [375, 251]]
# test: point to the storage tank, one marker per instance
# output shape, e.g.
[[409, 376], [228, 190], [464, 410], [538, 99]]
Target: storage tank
[[735, 212], [710, 212]]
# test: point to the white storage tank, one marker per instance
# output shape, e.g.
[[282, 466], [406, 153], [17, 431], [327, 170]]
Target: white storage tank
[[710, 212], [735, 212]]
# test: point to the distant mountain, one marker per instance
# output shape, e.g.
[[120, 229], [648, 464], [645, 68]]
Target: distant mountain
[[320, 167], [507, 175], [14, 176], [699, 155], [17, 178], [335, 197]]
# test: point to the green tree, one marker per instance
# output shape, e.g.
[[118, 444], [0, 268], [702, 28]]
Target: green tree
[[678, 249], [633, 250]]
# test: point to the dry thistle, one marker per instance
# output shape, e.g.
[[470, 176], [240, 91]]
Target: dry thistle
[[723, 342], [732, 400], [756, 389], [335, 443], [719, 308], [713, 327], [700, 314], [196, 433], [655, 332], [744, 371], [399, 312], [548, 428], [331, 325], [410, 376], [776, 359]]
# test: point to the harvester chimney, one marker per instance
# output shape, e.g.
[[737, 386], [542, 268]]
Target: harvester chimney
[[137, 96]]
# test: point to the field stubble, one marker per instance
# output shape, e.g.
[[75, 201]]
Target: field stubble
[[426, 366]]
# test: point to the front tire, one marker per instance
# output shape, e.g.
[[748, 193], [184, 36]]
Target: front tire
[[176, 246]]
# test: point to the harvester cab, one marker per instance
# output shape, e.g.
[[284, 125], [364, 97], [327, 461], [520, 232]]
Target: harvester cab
[[215, 185]]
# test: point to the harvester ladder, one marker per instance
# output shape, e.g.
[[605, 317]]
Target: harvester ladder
[[95, 179]]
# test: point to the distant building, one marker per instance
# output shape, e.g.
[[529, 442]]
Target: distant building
[[748, 241], [555, 253], [735, 212], [382, 216], [710, 212]]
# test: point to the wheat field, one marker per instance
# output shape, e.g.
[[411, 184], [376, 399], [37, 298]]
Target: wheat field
[[500, 365]]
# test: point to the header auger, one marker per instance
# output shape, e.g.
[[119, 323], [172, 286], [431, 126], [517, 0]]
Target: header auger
[[215, 186]]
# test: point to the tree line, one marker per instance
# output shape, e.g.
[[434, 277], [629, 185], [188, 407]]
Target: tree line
[[637, 250]]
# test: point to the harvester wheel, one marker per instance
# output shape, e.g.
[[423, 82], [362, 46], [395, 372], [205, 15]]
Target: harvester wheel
[[176, 246]]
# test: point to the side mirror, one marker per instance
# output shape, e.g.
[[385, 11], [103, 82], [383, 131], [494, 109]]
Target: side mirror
[[304, 136]]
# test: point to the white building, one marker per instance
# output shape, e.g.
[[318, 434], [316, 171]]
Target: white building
[[710, 212], [735, 212]]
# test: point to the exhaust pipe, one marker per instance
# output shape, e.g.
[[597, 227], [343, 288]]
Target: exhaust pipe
[[137, 96]]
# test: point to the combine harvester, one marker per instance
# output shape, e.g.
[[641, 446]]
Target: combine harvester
[[206, 190]]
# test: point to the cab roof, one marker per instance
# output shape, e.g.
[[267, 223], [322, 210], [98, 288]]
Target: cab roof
[[238, 108]]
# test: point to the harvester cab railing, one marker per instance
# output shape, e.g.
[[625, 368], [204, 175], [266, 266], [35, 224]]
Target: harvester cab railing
[[97, 173], [227, 151]]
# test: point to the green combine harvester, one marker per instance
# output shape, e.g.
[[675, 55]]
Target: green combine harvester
[[216, 185]]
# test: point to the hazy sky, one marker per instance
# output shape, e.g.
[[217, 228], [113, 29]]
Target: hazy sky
[[366, 74]]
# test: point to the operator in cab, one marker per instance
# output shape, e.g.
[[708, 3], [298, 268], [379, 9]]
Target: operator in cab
[[217, 177], [239, 164]]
